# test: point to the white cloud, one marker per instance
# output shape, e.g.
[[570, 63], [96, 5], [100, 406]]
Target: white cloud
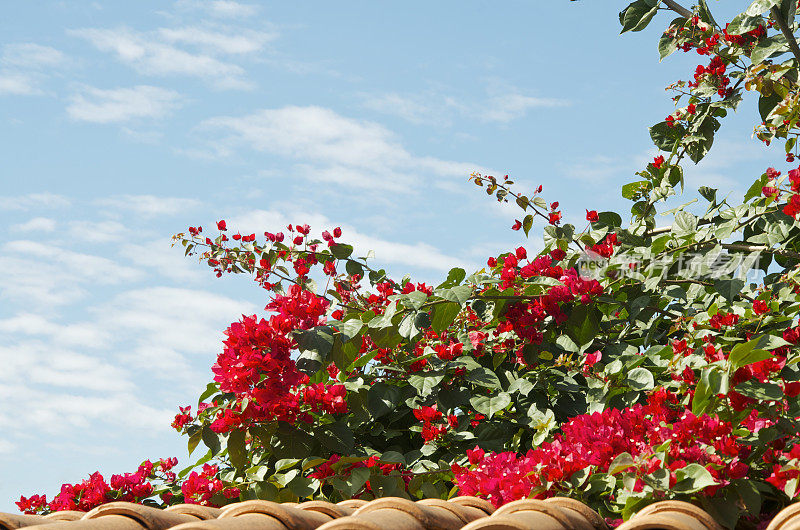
[[31, 55], [42, 277], [151, 54], [433, 107], [31, 201], [168, 261], [22, 65], [507, 107], [122, 104], [331, 147], [220, 8], [241, 42], [149, 205], [18, 84], [37, 224], [408, 108], [97, 231]]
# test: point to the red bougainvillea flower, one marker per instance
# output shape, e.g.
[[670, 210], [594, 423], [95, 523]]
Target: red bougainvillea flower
[[658, 162], [554, 218], [591, 216], [760, 307], [221, 225], [517, 225]]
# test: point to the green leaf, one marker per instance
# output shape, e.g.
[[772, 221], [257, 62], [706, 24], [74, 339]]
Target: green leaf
[[665, 137], [633, 190], [667, 45], [382, 399], [685, 223], [527, 223], [693, 478], [459, 294], [211, 389], [742, 23], [760, 6], [236, 449], [350, 328], [454, 277], [729, 289], [768, 46], [211, 440], [354, 268], [414, 299], [194, 440], [640, 379], [336, 436], [583, 324], [425, 382], [490, 405], [483, 377], [761, 391], [341, 251], [638, 15], [621, 462], [712, 382], [746, 353], [443, 315], [709, 194], [407, 328]]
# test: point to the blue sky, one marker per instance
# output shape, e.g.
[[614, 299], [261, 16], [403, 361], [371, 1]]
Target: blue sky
[[126, 122]]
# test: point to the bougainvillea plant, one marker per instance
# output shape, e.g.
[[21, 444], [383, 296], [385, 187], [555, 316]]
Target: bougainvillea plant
[[623, 364]]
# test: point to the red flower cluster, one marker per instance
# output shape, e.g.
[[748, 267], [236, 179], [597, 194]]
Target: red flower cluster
[[94, 491], [592, 441], [199, 488], [792, 208], [428, 415]]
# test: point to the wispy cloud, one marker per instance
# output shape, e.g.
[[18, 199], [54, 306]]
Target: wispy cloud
[[501, 105], [148, 205], [220, 8], [22, 65], [158, 52], [330, 147], [33, 200], [37, 224], [241, 42], [18, 84], [31, 55], [122, 104]]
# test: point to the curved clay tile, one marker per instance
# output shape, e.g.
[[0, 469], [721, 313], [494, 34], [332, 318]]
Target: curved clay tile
[[466, 514], [352, 503], [501, 523], [148, 517], [9, 521], [107, 522], [395, 510], [663, 521], [354, 523], [290, 517], [787, 518], [571, 506], [474, 502], [679, 509], [65, 515], [334, 511], [541, 515], [195, 510], [247, 521]]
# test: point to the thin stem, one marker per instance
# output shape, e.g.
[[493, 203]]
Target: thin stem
[[675, 6]]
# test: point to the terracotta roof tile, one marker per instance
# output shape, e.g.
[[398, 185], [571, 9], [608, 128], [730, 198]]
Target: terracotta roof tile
[[466, 513]]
